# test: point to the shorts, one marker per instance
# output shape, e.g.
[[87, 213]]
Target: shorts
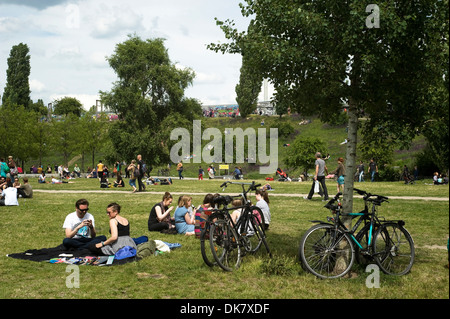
[[340, 180]]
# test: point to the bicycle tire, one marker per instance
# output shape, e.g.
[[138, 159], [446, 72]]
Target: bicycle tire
[[258, 212], [205, 247], [394, 250], [225, 246], [205, 244], [326, 252], [258, 228], [249, 229]]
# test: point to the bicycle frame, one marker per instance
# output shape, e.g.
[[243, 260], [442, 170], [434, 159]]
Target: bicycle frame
[[364, 216]]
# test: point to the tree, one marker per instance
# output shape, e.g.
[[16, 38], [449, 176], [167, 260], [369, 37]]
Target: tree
[[93, 135], [302, 150], [17, 89], [67, 105], [65, 136], [248, 89], [148, 89], [39, 107], [332, 52]]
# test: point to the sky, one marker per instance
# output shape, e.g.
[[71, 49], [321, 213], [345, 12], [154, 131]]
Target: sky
[[69, 41]]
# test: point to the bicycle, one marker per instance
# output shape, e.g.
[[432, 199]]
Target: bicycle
[[227, 242], [327, 250]]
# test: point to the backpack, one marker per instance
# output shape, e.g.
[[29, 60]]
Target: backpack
[[136, 172], [146, 249]]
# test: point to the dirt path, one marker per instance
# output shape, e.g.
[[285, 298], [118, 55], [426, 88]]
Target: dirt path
[[199, 194]]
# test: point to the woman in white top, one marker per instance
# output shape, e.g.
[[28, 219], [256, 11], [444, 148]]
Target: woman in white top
[[262, 201]]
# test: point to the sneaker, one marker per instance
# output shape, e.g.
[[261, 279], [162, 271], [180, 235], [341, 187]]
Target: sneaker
[[306, 197]]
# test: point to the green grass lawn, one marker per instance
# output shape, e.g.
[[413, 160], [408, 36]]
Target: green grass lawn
[[37, 223]]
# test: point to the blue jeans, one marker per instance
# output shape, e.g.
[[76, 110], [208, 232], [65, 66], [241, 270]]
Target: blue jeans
[[361, 177]]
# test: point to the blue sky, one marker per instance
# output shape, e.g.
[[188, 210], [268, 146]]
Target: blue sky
[[69, 40]]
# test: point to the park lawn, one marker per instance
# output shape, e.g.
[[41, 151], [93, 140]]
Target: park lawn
[[422, 188], [37, 223]]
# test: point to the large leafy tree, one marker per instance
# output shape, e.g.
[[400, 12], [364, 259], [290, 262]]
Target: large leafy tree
[[379, 63], [148, 89], [17, 90], [67, 105]]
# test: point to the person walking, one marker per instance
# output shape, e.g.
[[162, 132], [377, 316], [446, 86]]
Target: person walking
[[321, 170], [180, 169], [373, 169], [340, 173], [140, 166]]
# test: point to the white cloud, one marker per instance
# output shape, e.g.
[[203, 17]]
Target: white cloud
[[69, 41], [36, 86], [9, 24], [209, 78], [111, 21]]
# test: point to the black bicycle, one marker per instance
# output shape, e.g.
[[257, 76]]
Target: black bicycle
[[224, 242], [327, 250]]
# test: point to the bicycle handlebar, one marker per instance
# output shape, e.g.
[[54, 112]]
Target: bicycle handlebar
[[379, 198], [252, 185], [367, 197], [329, 205]]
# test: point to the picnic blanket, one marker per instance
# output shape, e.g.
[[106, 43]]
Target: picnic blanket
[[60, 254]]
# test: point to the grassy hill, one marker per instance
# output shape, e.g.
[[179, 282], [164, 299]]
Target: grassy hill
[[333, 136]]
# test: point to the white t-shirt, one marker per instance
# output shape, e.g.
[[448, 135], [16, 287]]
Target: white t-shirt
[[72, 221], [10, 195], [262, 204]]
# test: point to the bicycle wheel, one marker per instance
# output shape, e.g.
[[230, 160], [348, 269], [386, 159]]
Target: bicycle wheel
[[249, 229], [225, 245], [205, 246], [211, 240], [259, 236], [326, 252], [393, 249]]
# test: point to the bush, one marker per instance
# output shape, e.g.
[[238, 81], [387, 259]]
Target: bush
[[389, 174], [284, 128]]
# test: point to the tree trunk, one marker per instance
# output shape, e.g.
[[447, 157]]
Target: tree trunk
[[350, 163]]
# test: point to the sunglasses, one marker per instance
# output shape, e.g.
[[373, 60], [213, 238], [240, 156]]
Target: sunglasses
[[83, 210]]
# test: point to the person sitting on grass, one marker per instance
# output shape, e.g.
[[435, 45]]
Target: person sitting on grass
[[238, 211], [119, 228], [159, 218], [41, 179], [262, 201], [119, 181], [184, 221], [79, 227], [25, 189], [201, 215]]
